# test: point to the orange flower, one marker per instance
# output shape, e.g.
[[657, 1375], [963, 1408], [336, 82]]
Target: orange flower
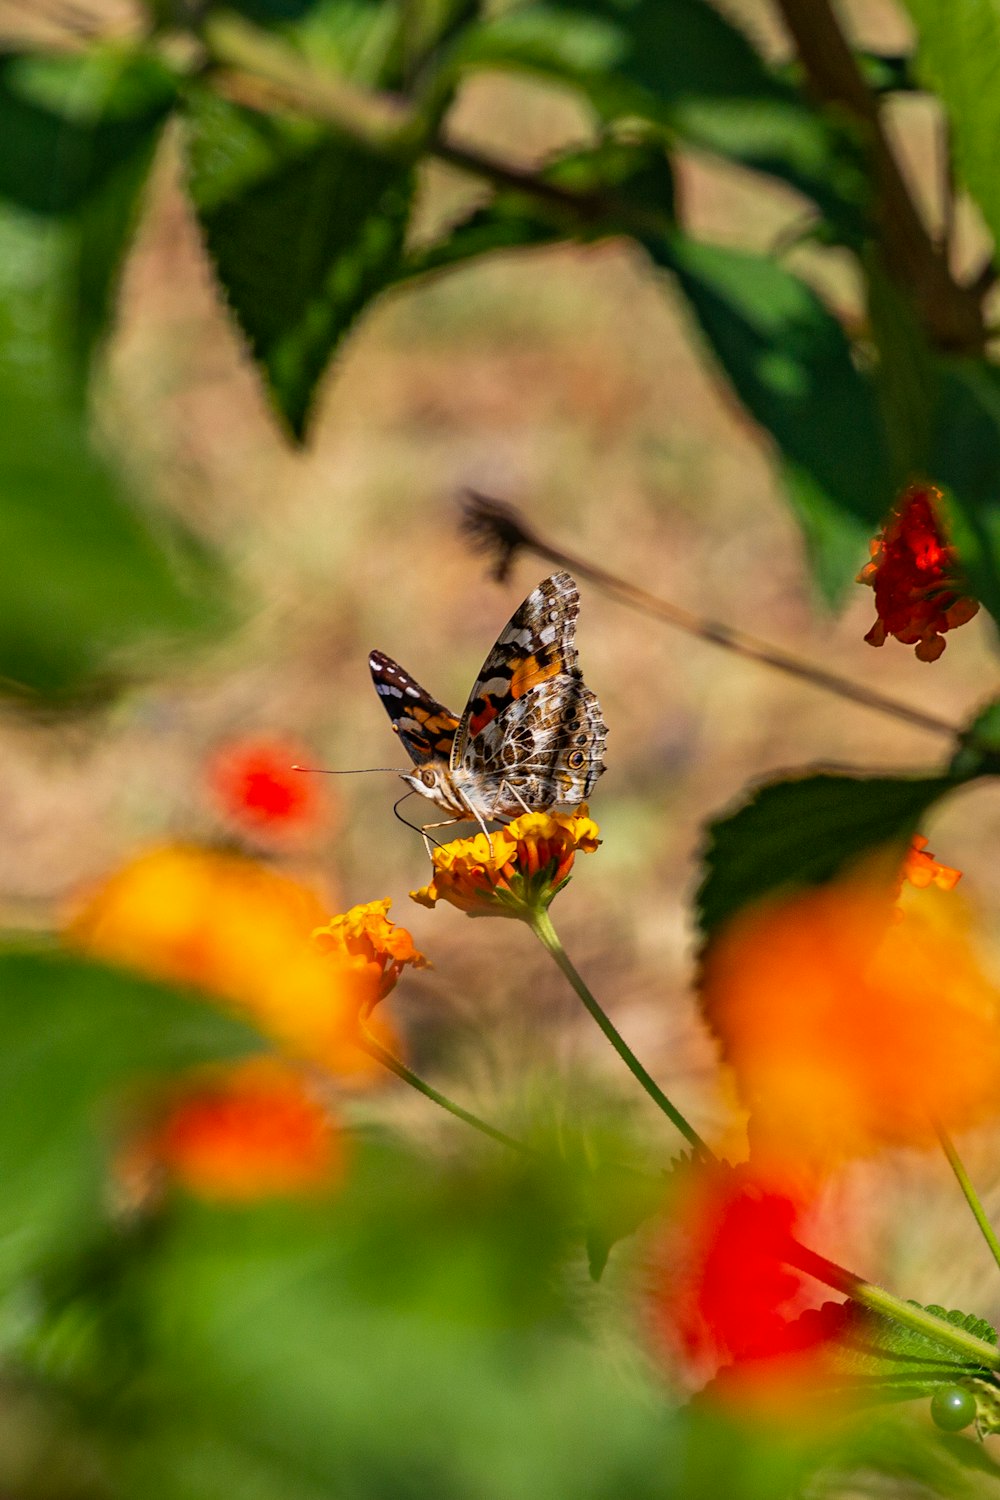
[[367, 943], [228, 925], [919, 593], [514, 872], [847, 1030], [248, 1131], [255, 786], [922, 869]]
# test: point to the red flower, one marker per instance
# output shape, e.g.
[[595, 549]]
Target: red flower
[[255, 785], [919, 593]]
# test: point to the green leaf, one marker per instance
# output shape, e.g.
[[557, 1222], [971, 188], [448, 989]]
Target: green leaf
[[958, 56], [888, 1359], [685, 67], [304, 229], [616, 180], [979, 745], [73, 1037], [790, 363], [79, 135], [805, 832], [965, 461]]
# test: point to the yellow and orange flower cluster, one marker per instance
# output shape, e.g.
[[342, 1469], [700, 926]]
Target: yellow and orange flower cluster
[[850, 1026], [919, 593], [367, 943], [514, 872]]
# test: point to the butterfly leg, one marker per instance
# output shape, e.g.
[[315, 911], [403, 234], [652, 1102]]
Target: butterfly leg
[[506, 786], [446, 823]]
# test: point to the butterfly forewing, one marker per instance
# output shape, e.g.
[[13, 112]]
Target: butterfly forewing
[[426, 727]]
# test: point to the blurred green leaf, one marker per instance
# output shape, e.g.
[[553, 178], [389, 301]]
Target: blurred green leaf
[[790, 363], [958, 56], [979, 744], [304, 229], [892, 1359], [78, 136], [74, 1036], [965, 461], [617, 178], [687, 68], [805, 832]]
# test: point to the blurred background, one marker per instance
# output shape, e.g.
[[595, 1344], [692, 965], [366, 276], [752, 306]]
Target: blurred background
[[571, 382]]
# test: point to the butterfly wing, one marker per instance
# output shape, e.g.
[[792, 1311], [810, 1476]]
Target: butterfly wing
[[426, 728], [532, 732]]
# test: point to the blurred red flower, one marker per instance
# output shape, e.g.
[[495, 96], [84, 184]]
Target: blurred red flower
[[255, 786], [914, 571], [250, 1130]]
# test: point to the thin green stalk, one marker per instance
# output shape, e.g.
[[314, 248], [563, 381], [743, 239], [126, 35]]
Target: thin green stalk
[[541, 924], [394, 1065], [878, 1300], [971, 1196]]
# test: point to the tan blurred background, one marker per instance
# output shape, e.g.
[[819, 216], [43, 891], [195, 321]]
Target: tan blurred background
[[572, 382]]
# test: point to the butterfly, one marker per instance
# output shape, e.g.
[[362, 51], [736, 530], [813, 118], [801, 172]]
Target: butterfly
[[531, 735]]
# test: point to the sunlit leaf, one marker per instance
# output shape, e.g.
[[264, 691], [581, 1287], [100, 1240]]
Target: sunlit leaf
[[304, 228]]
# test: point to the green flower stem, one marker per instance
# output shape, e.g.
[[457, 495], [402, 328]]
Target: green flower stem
[[388, 1060], [971, 1196], [877, 1300], [541, 924]]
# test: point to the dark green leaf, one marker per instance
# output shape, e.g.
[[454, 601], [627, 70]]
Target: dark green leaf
[[790, 363], [73, 1037], [78, 138], [611, 184], [965, 461], [979, 750], [805, 832], [958, 56], [304, 229], [685, 67]]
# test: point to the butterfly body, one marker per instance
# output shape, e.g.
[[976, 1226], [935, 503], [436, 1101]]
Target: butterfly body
[[531, 735]]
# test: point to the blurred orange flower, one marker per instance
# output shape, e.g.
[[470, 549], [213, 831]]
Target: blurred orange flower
[[252, 1130], [919, 593], [514, 872], [255, 786], [848, 1030], [369, 944], [228, 925], [922, 869]]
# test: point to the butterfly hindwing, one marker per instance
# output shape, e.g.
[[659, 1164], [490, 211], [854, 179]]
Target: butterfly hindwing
[[426, 728]]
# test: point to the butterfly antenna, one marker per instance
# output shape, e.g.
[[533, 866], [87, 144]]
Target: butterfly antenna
[[363, 771], [415, 826]]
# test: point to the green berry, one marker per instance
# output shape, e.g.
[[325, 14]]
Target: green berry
[[953, 1407]]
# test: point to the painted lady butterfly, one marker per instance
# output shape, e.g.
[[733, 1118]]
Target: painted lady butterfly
[[531, 735]]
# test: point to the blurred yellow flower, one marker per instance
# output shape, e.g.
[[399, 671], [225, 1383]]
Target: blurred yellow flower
[[371, 946], [237, 1133], [847, 1029], [232, 927], [514, 872]]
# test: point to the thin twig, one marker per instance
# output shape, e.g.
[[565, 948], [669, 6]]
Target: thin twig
[[499, 528]]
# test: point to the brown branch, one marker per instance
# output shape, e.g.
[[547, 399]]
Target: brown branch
[[950, 313], [500, 530]]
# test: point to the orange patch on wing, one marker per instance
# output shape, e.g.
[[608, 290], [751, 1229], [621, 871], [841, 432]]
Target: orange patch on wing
[[530, 672]]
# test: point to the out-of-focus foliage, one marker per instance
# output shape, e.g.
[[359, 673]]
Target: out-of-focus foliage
[[431, 1326]]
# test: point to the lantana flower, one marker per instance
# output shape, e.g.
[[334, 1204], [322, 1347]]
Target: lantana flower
[[919, 591], [235, 1133], [848, 1029], [229, 926], [256, 786], [513, 872], [367, 942], [921, 869]]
